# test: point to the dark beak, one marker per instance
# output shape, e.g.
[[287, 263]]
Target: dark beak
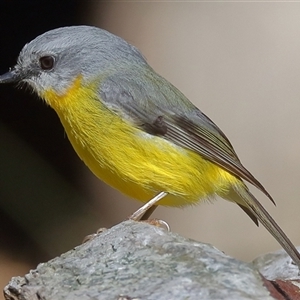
[[11, 76]]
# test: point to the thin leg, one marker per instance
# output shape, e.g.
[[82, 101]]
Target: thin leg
[[148, 213], [141, 212]]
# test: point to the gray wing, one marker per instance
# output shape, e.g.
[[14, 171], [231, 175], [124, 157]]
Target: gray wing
[[160, 109]]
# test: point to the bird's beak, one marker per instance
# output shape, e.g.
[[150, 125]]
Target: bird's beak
[[13, 75]]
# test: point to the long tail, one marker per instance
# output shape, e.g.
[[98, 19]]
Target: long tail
[[253, 206]]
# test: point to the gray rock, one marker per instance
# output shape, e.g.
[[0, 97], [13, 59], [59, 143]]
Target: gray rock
[[134, 260], [277, 265]]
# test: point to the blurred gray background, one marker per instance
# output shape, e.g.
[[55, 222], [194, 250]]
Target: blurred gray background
[[239, 63]]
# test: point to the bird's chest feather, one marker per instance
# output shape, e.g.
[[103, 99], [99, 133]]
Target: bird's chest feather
[[122, 155]]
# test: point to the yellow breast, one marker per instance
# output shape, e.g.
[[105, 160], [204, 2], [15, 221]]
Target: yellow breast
[[136, 163]]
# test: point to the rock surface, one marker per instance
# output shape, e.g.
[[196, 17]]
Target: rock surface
[[135, 260]]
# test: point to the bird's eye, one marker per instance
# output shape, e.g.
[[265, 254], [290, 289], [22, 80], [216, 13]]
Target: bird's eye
[[47, 62]]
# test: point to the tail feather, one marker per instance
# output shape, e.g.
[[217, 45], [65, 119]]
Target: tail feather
[[256, 211], [249, 213]]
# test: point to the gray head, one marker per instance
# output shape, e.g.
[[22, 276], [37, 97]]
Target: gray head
[[55, 58]]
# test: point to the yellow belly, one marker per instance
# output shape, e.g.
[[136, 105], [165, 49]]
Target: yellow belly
[[136, 163]]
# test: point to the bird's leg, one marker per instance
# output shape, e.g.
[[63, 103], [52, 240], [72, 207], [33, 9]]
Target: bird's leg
[[143, 211], [148, 213], [142, 214]]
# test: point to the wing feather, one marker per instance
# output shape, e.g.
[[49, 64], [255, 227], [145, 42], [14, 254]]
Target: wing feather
[[162, 110]]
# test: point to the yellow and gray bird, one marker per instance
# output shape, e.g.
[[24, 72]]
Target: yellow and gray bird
[[134, 129]]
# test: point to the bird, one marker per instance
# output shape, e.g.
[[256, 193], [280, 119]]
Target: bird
[[134, 129]]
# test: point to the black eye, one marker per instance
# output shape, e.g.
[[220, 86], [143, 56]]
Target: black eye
[[47, 62]]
